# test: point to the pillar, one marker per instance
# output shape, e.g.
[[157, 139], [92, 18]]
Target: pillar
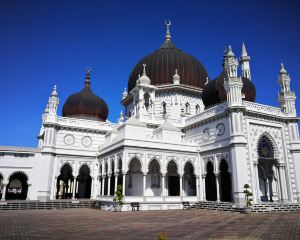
[[116, 182], [108, 185], [204, 190], [256, 192], [4, 191], [28, 191], [218, 187], [103, 185], [163, 176], [74, 188], [180, 185], [144, 184], [283, 183], [124, 184], [197, 187], [92, 188], [54, 188]]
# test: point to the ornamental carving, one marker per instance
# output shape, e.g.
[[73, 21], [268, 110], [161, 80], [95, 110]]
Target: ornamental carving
[[86, 141], [206, 134], [69, 139], [220, 129]]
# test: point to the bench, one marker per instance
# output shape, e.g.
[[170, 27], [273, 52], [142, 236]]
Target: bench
[[135, 206], [186, 205]]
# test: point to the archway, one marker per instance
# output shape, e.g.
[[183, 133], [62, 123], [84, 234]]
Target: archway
[[189, 180], [210, 183], [173, 179], [267, 171], [84, 182], [154, 179], [134, 179], [64, 184], [225, 177], [17, 187]]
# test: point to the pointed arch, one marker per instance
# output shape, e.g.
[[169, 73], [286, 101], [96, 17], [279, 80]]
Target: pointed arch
[[266, 136], [187, 108], [197, 109], [225, 179], [84, 181]]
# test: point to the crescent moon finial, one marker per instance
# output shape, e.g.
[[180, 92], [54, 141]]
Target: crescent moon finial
[[168, 24]]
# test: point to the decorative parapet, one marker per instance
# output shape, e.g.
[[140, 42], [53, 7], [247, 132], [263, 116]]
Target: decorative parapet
[[85, 123], [211, 112], [17, 149], [264, 109], [158, 120]]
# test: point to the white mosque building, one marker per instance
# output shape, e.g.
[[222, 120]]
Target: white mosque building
[[182, 137]]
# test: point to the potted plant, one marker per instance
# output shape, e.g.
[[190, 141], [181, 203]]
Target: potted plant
[[248, 199], [118, 198]]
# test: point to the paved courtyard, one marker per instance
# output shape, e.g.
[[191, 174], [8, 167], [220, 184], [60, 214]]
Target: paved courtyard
[[177, 224]]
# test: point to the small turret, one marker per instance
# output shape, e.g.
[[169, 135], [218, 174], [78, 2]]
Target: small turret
[[176, 78], [125, 93], [144, 79], [53, 102]]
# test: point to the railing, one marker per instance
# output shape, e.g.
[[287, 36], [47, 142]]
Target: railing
[[265, 109], [206, 114], [85, 123], [19, 149]]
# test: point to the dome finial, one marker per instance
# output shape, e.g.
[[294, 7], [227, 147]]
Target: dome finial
[[144, 68], [168, 34], [88, 76]]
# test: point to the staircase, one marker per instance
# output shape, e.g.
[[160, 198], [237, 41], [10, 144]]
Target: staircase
[[258, 207], [56, 204]]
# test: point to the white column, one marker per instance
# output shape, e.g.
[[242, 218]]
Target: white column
[[203, 184], [144, 184], [197, 187], [103, 185], [256, 192], [283, 183], [108, 185], [116, 182], [92, 188], [54, 188], [218, 187], [4, 191], [180, 185], [74, 188], [163, 176], [28, 191], [124, 184]]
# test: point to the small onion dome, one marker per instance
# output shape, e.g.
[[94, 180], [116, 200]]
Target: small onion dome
[[162, 63], [85, 104], [214, 92]]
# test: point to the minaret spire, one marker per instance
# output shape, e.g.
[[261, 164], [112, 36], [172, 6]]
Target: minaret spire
[[245, 62]]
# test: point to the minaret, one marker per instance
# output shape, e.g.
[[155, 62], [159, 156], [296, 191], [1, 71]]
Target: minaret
[[144, 79], [232, 84], [245, 63], [286, 97]]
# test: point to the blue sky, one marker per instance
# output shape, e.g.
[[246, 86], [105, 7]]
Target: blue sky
[[43, 43]]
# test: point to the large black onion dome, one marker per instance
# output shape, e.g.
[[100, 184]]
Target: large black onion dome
[[161, 65], [85, 104], [214, 92]]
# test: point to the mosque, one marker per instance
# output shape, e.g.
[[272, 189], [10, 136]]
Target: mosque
[[182, 137]]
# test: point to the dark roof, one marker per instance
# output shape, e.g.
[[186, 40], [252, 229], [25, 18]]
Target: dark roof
[[214, 92], [85, 104], [161, 66]]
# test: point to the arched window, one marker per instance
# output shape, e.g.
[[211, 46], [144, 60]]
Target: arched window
[[147, 100], [265, 148], [187, 108], [164, 108], [154, 171], [197, 109]]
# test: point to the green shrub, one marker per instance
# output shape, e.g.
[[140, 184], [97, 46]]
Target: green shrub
[[162, 236], [119, 195], [248, 194]]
